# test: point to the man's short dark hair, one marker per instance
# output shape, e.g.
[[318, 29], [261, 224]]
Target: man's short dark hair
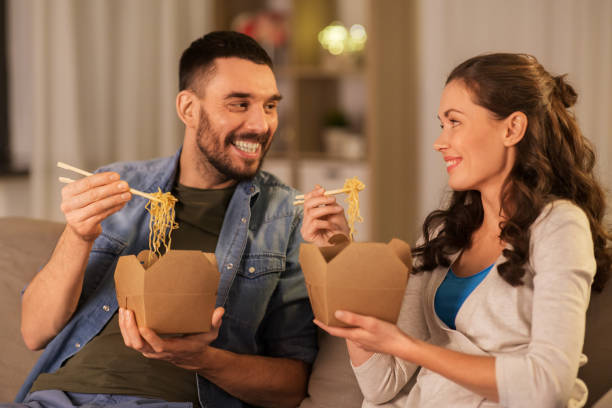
[[200, 56]]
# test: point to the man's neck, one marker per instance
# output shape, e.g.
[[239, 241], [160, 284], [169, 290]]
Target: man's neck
[[194, 173]]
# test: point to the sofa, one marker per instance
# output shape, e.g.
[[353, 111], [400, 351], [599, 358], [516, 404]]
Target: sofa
[[26, 244]]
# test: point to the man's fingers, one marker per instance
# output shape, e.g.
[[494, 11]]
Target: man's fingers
[[126, 339], [217, 317], [129, 331], [87, 183], [95, 209], [156, 343], [94, 195]]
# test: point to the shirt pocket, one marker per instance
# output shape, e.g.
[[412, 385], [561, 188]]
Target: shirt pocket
[[260, 266], [252, 290]]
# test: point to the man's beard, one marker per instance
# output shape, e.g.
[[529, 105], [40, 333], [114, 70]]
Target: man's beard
[[214, 149]]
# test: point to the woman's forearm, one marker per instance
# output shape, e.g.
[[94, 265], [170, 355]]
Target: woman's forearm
[[476, 373]]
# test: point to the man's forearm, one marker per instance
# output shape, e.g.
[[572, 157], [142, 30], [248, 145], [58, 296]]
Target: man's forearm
[[257, 380], [52, 296]]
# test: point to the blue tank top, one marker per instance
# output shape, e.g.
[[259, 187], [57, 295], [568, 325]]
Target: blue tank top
[[452, 293]]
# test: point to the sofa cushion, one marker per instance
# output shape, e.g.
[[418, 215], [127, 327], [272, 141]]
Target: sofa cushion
[[597, 373], [332, 382], [25, 246]]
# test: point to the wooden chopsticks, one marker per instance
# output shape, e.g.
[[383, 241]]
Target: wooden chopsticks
[[86, 173], [299, 199]]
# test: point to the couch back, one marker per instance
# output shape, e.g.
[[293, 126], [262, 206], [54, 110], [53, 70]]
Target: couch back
[[597, 373], [25, 246]]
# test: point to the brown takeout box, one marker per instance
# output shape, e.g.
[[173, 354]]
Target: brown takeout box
[[174, 294], [365, 278]]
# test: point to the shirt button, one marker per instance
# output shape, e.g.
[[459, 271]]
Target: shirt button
[[77, 345], [243, 220], [229, 266], [106, 308], [251, 269]]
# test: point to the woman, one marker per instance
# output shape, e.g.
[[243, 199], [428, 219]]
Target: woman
[[494, 312]]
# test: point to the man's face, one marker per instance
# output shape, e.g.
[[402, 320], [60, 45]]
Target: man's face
[[238, 117]]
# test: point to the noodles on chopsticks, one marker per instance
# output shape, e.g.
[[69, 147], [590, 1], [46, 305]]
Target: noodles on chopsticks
[[161, 223]]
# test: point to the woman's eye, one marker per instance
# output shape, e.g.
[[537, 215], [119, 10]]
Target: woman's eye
[[454, 122]]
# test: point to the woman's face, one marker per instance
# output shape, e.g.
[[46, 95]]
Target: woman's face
[[472, 142]]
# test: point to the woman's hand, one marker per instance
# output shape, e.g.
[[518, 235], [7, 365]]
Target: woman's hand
[[323, 218], [369, 334]]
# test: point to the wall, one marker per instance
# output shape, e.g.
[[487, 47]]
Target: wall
[[573, 37], [93, 82]]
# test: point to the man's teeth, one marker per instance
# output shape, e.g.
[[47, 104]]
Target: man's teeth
[[247, 147]]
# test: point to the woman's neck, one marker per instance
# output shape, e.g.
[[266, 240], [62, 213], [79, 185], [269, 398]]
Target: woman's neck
[[492, 214]]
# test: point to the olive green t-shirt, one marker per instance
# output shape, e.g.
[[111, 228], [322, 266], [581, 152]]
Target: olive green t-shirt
[[105, 365]]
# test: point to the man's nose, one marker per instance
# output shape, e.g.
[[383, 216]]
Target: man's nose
[[257, 121]]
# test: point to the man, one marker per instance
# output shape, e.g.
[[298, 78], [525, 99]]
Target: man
[[261, 352]]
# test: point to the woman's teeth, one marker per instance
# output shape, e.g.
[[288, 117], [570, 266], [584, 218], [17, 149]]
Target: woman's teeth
[[246, 147], [451, 162]]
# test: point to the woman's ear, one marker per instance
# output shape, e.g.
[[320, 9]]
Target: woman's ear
[[188, 108], [516, 127]]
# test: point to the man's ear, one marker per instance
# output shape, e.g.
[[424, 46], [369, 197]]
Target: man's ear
[[188, 108], [516, 127]]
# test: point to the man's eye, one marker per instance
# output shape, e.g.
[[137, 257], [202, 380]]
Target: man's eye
[[271, 106], [454, 122], [239, 105]]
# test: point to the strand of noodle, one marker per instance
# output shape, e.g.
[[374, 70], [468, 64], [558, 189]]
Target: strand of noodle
[[161, 222], [354, 186]]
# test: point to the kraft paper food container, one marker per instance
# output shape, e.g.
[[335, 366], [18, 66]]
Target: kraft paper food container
[[365, 278], [174, 294]]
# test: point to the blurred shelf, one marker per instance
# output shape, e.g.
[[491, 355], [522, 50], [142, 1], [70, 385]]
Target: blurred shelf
[[328, 157], [317, 72], [316, 85]]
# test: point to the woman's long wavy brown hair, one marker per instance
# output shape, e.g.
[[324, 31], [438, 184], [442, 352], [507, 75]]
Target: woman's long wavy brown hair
[[554, 161]]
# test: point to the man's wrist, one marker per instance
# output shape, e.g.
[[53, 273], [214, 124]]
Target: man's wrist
[[78, 239], [207, 361]]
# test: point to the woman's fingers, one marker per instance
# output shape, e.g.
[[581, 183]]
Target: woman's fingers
[[323, 217], [318, 202], [325, 211]]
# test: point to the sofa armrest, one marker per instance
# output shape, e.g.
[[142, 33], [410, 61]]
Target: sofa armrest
[[26, 245]]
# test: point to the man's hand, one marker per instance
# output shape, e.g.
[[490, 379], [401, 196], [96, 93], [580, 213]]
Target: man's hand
[[186, 352], [323, 218], [88, 201]]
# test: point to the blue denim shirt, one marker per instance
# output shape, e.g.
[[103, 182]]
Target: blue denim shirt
[[262, 288]]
